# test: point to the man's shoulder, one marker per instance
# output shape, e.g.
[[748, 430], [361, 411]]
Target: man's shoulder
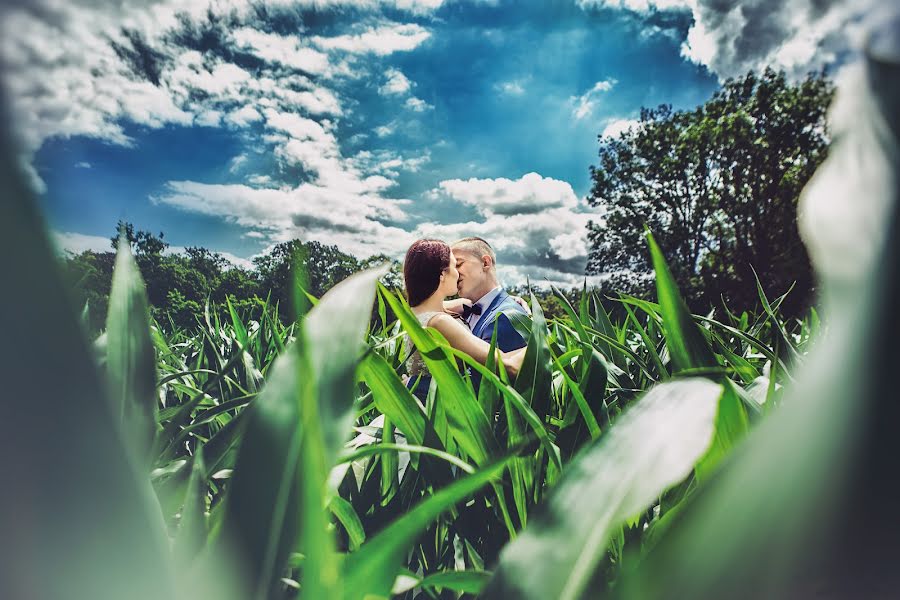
[[507, 303]]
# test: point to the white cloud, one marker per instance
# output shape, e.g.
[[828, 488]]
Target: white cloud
[[243, 116], [383, 131], [417, 104], [731, 38], [584, 104], [641, 6], [381, 41], [530, 194], [512, 88], [83, 165], [397, 83], [285, 50], [537, 225], [551, 245], [353, 222], [617, 127], [76, 243]]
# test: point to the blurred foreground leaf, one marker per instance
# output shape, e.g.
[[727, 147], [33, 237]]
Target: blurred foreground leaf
[[654, 445]]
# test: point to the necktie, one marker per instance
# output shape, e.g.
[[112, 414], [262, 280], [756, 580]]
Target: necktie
[[475, 309]]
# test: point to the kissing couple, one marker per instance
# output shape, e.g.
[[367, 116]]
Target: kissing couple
[[433, 271]]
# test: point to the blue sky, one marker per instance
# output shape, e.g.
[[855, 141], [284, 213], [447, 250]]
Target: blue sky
[[366, 124]]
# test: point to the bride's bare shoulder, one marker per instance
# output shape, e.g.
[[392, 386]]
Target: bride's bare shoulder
[[443, 321]]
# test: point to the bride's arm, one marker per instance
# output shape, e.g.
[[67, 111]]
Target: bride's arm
[[456, 305], [459, 336]]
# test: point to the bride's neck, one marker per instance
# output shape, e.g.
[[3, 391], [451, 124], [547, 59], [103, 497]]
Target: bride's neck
[[434, 303]]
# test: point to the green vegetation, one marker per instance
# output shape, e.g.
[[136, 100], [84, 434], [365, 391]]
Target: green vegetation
[[646, 452], [241, 431], [179, 285], [719, 184]]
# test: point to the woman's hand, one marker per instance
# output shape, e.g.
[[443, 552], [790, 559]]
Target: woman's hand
[[456, 305], [521, 302]]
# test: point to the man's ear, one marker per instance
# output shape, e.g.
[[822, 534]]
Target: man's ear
[[486, 262]]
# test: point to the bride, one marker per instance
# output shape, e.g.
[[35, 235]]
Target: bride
[[430, 276]]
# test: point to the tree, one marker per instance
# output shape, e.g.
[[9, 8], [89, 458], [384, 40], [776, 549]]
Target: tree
[[718, 187], [143, 243], [325, 266]]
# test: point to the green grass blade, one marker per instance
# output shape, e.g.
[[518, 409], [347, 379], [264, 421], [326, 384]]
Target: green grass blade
[[534, 381], [687, 346], [335, 331], [79, 520], [192, 531], [332, 335], [649, 344], [394, 400], [582, 403], [130, 360], [389, 447], [262, 512], [370, 571], [466, 582], [652, 446], [345, 513]]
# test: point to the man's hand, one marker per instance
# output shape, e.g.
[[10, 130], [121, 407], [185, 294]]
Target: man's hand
[[521, 302], [456, 306]]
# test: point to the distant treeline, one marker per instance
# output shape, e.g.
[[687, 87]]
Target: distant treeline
[[180, 285]]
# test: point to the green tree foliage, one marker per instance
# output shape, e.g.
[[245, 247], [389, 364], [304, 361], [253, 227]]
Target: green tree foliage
[[718, 185], [180, 285]]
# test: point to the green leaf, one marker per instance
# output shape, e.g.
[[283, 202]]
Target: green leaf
[[467, 582], [335, 331], [130, 360], [652, 446], [389, 447], [191, 536], [394, 400], [262, 511], [372, 569], [534, 380], [687, 346], [345, 513], [649, 344], [74, 504]]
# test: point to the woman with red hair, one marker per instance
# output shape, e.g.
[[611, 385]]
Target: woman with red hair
[[430, 276]]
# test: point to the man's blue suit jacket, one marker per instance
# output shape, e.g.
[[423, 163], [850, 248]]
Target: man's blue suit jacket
[[507, 337]]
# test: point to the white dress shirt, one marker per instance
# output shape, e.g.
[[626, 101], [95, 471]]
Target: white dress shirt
[[483, 302]]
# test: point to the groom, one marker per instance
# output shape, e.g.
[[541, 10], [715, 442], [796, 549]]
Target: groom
[[477, 266]]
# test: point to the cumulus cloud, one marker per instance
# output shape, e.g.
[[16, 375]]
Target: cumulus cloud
[[417, 104], [731, 38], [76, 243], [637, 5], [382, 40], [616, 127], [528, 195], [584, 104], [353, 222], [537, 225], [75, 69], [396, 84], [285, 50]]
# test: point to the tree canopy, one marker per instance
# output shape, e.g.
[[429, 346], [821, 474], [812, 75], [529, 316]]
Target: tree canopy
[[180, 284], [718, 187]]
